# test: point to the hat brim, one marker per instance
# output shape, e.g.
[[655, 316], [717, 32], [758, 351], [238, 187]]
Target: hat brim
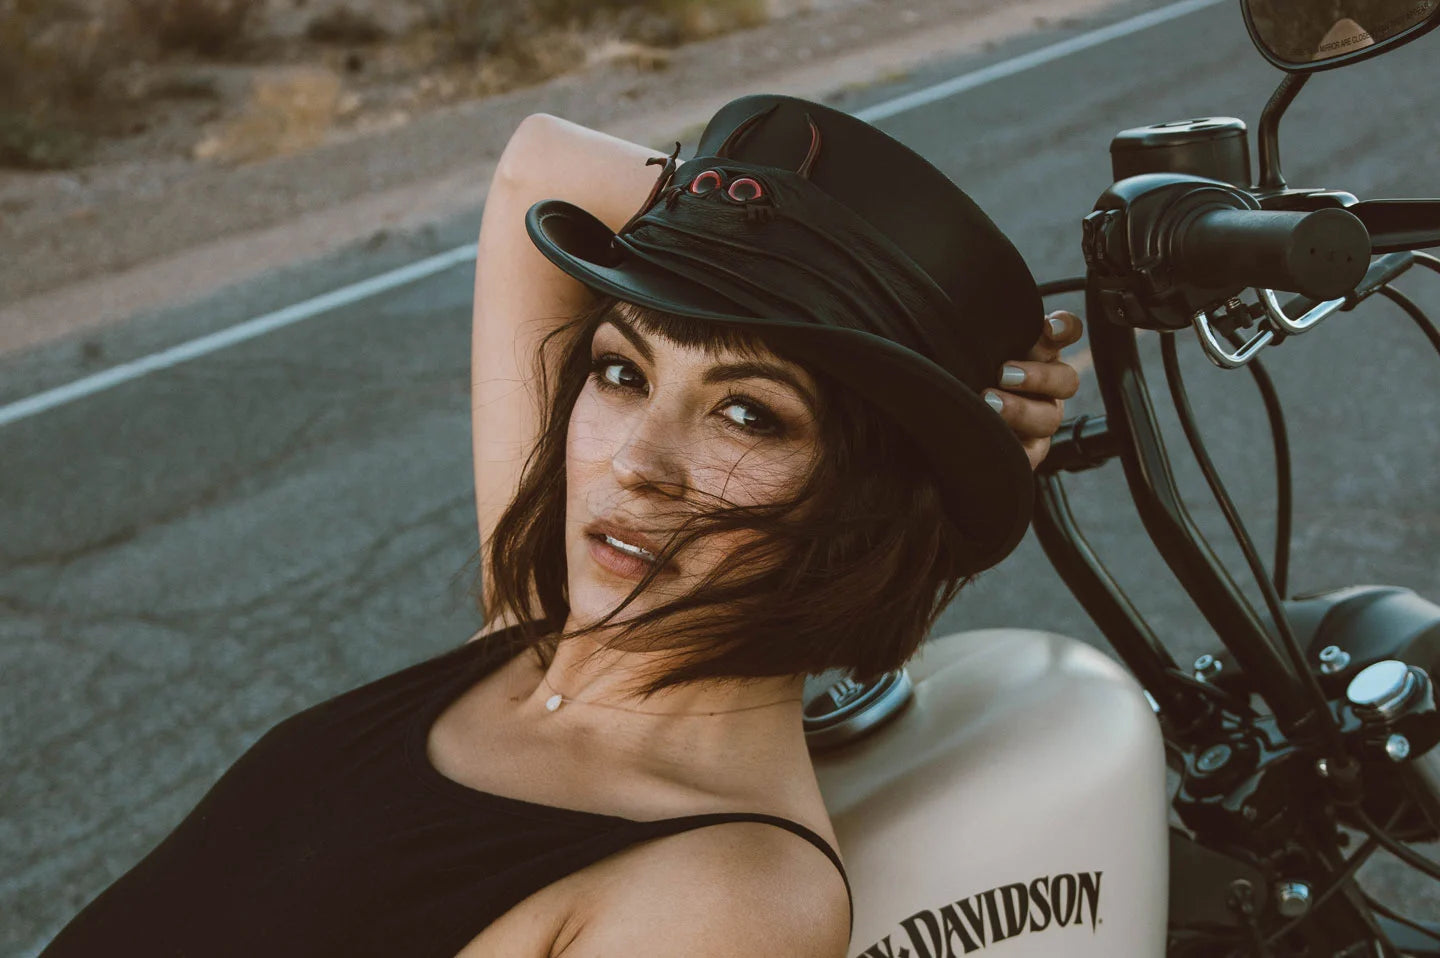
[[985, 474]]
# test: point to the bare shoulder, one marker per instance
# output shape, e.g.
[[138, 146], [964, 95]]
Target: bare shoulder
[[725, 891]]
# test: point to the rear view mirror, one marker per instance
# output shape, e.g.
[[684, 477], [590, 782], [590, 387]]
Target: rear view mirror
[[1300, 36]]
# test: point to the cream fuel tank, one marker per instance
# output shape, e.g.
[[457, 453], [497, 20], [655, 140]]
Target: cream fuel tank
[[1005, 791]]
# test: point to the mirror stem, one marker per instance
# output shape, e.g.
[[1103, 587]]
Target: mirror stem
[[1270, 176]]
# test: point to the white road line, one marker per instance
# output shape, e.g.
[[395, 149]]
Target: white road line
[[249, 329], [1028, 61], [345, 295]]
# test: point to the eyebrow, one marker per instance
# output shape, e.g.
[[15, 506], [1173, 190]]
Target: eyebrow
[[723, 372]]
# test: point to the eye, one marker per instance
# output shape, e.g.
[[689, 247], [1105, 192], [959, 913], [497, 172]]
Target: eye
[[612, 372], [745, 189], [754, 418], [705, 182]]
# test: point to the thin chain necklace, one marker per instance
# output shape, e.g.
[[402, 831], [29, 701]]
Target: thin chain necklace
[[554, 702]]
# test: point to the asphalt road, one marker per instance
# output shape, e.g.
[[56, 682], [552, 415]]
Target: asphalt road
[[187, 558]]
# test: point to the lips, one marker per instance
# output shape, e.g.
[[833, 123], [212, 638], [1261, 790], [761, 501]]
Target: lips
[[626, 560]]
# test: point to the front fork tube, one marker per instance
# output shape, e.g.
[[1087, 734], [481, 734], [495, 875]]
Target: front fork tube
[[1101, 598], [1132, 421]]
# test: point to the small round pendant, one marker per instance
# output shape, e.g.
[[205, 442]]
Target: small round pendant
[[553, 702]]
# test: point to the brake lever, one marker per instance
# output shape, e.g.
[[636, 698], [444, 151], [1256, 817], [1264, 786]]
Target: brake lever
[[1216, 351]]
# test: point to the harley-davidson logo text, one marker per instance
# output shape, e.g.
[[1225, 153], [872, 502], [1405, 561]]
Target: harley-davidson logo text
[[972, 923]]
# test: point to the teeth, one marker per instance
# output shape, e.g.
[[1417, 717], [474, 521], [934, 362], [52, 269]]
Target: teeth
[[627, 547]]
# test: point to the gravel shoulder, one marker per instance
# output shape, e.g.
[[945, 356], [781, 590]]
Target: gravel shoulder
[[86, 250]]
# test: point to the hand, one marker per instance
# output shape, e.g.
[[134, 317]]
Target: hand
[[1032, 398]]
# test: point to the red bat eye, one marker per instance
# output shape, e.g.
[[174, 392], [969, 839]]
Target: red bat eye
[[745, 189], [705, 182]]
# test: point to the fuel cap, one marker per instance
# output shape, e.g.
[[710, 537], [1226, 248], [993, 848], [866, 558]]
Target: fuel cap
[[848, 710]]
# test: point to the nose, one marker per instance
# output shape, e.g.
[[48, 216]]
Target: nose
[[650, 454]]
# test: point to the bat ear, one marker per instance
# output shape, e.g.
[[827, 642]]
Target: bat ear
[[738, 134], [814, 151]]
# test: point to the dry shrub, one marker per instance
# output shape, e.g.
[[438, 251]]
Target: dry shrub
[[343, 24], [207, 27], [287, 110], [659, 22], [55, 61], [505, 28], [476, 28], [52, 54]]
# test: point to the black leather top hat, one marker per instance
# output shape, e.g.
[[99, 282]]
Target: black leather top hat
[[857, 257]]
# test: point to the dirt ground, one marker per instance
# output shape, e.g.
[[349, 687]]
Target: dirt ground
[[307, 163]]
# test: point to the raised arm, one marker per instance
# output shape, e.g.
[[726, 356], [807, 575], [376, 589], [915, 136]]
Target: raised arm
[[520, 296]]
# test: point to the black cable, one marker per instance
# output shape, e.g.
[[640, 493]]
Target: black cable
[[1280, 439], [1222, 697], [1414, 312], [1400, 919], [1237, 527], [1400, 850]]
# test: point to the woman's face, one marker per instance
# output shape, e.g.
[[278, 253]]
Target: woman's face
[[659, 431]]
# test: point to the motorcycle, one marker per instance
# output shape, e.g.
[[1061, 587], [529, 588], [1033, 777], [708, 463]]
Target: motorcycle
[[1009, 787]]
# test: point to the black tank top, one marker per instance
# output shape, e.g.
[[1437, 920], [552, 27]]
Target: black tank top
[[335, 835]]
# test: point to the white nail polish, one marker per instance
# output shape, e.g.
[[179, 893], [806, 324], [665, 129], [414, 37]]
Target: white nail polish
[[1011, 376], [996, 403], [1057, 326]]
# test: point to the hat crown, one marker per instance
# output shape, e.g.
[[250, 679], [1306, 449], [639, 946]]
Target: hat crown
[[900, 195]]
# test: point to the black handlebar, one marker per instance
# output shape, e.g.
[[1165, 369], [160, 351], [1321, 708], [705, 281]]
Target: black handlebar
[[1321, 254]]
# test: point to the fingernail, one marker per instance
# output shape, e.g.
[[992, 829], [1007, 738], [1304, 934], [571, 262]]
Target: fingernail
[[996, 403], [1057, 325], [1011, 376]]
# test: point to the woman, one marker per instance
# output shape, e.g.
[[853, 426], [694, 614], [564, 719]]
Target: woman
[[735, 466]]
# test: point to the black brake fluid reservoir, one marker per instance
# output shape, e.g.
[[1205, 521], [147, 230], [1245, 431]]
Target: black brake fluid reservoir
[[1213, 146]]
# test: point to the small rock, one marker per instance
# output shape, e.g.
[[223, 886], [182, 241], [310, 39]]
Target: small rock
[[349, 104]]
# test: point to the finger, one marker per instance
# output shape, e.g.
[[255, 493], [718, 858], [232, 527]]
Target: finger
[[1027, 418], [1036, 450], [1057, 380], [1061, 329]]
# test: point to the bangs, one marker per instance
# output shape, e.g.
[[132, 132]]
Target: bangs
[[687, 331]]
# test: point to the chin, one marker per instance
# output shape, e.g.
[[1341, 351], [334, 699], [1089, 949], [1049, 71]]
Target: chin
[[592, 593]]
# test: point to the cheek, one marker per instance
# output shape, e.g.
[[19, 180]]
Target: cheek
[[753, 476], [587, 441]]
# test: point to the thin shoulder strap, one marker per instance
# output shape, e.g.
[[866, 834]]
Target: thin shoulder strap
[[672, 826]]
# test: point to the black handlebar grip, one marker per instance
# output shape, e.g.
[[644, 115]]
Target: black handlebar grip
[[1322, 254]]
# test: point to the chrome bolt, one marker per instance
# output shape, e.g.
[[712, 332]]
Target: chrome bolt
[[1322, 765], [1242, 897], [1292, 898], [1398, 748], [1333, 659], [1207, 667], [1213, 758]]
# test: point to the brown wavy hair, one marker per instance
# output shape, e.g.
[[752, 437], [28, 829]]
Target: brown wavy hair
[[848, 573]]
